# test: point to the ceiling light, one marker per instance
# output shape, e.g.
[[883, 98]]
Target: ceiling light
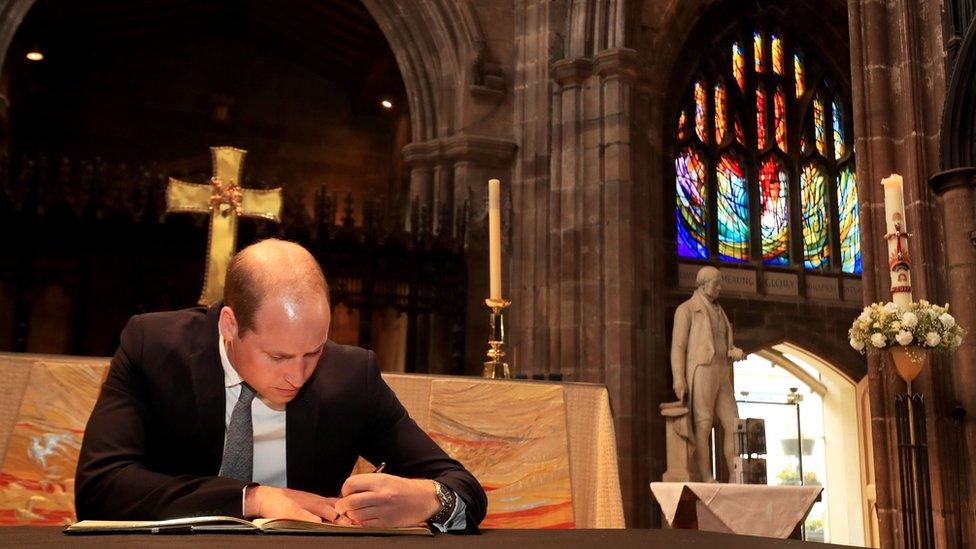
[[35, 55], [386, 104]]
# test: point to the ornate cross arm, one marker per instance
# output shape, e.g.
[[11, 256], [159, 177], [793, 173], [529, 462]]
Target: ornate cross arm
[[225, 200]]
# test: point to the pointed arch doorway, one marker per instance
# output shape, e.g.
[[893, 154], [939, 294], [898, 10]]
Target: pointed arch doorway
[[817, 433]]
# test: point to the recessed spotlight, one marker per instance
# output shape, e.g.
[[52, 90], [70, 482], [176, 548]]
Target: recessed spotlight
[[35, 55], [386, 104]]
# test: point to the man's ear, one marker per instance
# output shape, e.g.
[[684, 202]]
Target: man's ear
[[228, 323]]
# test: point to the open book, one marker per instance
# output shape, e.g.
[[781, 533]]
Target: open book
[[234, 525]]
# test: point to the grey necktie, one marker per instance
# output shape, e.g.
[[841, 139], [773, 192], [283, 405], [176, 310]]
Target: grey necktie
[[238, 459]]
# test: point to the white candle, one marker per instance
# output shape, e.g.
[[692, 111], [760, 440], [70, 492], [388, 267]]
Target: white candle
[[901, 278], [494, 239]]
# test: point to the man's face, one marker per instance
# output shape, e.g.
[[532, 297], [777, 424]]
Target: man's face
[[278, 355], [713, 287]]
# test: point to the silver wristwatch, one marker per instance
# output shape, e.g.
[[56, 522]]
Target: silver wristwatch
[[448, 500]]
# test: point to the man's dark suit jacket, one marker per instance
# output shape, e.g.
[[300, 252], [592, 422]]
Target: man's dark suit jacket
[[154, 442]]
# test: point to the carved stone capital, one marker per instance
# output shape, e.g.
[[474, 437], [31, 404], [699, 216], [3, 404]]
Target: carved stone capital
[[617, 63], [951, 179], [482, 149], [571, 72]]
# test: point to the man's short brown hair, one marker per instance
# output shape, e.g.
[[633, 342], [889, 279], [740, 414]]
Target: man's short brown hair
[[251, 277]]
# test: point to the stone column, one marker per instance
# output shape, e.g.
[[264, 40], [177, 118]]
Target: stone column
[[897, 91], [957, 193], [419, 158], [593, 247], [565, 205]]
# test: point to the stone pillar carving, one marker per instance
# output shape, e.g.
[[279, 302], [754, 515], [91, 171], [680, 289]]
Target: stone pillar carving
[[957, 192], [593, 319], [897, 88]]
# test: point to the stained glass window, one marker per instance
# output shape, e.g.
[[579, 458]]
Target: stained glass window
[[721, 121], [734, 196], [733, 209], [691, 207], [779, 118], [839, 146], [760, 119], [739, 65], [798, 74], [757, 51], [849, 217], [819, 125], [777, 45], [701, 111], [816, 219], [774, 212]]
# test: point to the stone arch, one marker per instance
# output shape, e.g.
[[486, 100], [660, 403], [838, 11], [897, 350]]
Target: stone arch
[[436, 44], [958, 136], [829, 349]]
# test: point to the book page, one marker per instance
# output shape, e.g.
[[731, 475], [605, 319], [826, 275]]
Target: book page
[[149, 524], [301, 526]]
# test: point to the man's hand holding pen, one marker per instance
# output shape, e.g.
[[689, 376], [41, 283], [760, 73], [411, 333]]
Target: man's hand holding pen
[[380, 500]]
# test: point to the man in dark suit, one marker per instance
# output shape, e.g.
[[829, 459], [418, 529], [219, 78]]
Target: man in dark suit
[[246, 409]]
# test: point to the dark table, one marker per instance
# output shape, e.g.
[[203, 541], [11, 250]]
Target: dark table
[[47, 536]]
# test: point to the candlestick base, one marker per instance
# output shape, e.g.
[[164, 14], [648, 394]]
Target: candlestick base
[[494, 367]]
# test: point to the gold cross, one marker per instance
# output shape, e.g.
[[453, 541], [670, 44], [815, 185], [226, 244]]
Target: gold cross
[[225, 200]]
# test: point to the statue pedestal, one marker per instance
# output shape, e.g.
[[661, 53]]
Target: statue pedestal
[[679, 442]]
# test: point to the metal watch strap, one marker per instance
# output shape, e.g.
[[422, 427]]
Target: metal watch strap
[[447, 499]]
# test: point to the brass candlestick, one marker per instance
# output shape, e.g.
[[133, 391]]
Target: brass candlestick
[[494, 367]]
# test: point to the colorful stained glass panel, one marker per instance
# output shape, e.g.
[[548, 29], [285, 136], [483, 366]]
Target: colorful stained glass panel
[[691, 210], [816, 219], [849, 222], [840, 147], [739, 136], [733, 209], [739, 65], [798, 74], [761, 119], [779, 118], [774, 212], [701, 112], [721, 119], [819, 125], [682, 125], [777, 47], [757, 51]]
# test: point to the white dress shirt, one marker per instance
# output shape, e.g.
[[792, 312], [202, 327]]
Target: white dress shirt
[[270, 466], [270, 463]]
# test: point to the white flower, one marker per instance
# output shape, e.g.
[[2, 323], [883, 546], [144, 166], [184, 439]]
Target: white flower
[[904, 338], [909, 320], [890, 308], [932, 339], [956, 341], [878, 340], [932, 313], [923, 302], [877, 324], [865, 317], [947, 320], [857, 344], [896, 325]]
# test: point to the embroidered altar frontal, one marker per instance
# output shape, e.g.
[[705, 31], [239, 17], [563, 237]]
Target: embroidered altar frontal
[[544, 452]]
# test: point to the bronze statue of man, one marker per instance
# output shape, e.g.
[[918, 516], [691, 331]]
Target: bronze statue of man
[[701, 358]]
